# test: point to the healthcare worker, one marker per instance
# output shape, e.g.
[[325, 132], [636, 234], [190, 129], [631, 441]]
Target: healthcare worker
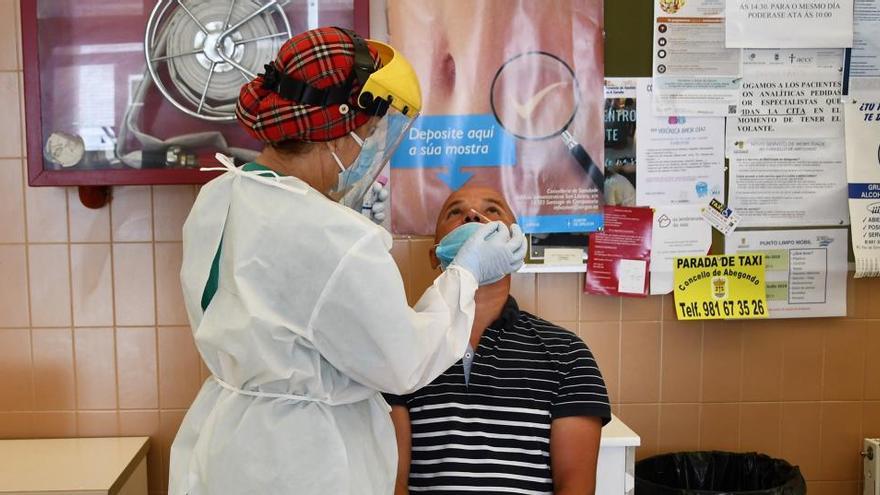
[[296, 305]]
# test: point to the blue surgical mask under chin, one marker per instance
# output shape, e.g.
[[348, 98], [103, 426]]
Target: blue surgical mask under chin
[[448, 247], [350, 176]]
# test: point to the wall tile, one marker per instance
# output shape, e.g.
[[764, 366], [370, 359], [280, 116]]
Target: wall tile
[[400, 253], [8, 36], [15, 425], [762, 362], [760, 428], [131, 214], [682, 350], [870, 420], [179, 378], [722, 361], [640, 362], [642, 308], [46, 213], [133, 284], [54, 377], [13, 286], [171, 205], [802, 363], [557, 296], [10, 98], [719, 427], [136, 354], [844, 366], [841, 444], [92, 278], [95, 368], [87, 224], [644, 420], [599, 308], [145, 423], [679, 427], [603, 339], [170, 308], [54, 424], [12, 216], [49, 274], [522, 288], [872, 348], [833, 488], [97, 424], [801, 441], [16, 387]]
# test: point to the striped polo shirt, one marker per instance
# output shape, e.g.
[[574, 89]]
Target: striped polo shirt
[[491, 434]]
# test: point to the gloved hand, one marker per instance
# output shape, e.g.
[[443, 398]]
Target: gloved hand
[[492, 252], [375, 205]]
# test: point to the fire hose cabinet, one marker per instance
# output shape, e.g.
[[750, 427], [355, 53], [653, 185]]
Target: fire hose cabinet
[[126, 92]]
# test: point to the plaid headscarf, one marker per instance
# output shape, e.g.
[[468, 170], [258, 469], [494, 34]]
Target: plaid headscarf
[[322, 58]]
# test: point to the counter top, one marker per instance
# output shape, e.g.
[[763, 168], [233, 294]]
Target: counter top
[[617, 434], [75, 464]]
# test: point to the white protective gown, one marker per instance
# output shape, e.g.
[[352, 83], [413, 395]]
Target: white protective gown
[[308, 323]]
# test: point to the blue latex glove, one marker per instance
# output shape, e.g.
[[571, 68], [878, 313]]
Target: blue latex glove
[[492, 252]]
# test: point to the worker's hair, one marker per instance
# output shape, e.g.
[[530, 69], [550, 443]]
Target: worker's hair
[[293, 147]]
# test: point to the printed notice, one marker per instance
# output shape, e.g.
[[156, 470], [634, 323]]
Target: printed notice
[[789, 24], [678, 231], [695, 74], [863, 172], [805, 269], [720, 287], [863, 60], [618, 258]]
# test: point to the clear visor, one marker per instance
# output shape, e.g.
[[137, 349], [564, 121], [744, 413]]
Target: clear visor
[[377, 149]]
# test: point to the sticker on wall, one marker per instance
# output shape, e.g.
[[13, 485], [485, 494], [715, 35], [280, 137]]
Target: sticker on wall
[[720, 287]]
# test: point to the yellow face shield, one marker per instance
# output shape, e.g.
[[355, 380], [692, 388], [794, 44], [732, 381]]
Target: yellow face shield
[[394, 84]]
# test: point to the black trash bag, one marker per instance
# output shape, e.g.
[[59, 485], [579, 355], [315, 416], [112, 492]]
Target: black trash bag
[[720, 473]]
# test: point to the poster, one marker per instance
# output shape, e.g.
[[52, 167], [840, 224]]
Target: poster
[[621, 114], [695, 74], [619, 256], [512, 99], [805, 270], [788, 182], [720, 287], [677, 231], [863, 172], [863, 60], [789, 24], [786, 146]]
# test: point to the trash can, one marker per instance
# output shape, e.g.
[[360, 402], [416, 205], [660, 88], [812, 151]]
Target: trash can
[[704, 473]]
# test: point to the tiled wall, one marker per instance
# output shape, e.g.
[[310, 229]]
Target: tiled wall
[[93, 336]]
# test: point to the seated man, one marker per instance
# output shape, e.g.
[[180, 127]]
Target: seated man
[[522, 412]]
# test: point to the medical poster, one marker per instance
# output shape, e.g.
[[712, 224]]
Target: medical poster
[[621, 109], [863, 172], [805, 270], [863, 60], [695, 74], [788, 182], [620, 255], [789, 24], [512, 99], [720, 287]]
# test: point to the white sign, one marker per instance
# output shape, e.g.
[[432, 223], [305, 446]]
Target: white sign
[[863, 61], [863, 172], [789, 24], [695, 74], [805, 269], [677, 231]]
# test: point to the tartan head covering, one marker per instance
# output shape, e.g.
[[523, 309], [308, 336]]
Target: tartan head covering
[[321, 58]]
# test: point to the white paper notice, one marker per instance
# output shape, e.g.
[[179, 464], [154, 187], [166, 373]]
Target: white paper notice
[[863, 61], [631, 276], [680, 160], [694, 73], [863, 171], [677, 231], [805, 269], [789, 24], [788, 182]]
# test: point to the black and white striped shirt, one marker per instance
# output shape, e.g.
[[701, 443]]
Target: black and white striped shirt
[[492, 435]]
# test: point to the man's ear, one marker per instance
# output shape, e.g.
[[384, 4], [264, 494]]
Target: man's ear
[[432, 255]]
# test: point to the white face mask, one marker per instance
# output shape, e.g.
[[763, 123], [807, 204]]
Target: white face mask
[[349, 176]]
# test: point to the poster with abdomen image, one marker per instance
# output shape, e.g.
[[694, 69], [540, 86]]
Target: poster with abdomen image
[[513, 99]]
